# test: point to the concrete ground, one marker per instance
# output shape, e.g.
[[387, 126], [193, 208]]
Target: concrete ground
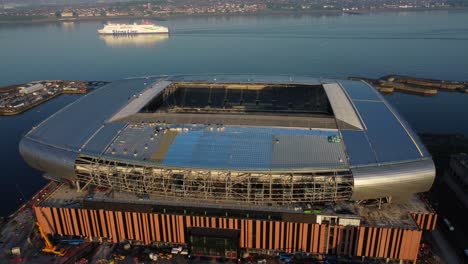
[[443, 248]]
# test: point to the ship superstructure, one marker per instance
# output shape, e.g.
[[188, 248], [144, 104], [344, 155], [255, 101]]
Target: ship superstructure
[[125, 29]]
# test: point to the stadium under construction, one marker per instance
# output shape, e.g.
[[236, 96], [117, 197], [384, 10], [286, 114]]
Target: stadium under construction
[[229, 164]]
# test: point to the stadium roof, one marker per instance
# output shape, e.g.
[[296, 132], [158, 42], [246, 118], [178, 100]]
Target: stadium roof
[[361, 130], [91, 123]]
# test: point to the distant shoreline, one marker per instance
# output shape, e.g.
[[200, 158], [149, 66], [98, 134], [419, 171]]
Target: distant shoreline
[[25, 20]]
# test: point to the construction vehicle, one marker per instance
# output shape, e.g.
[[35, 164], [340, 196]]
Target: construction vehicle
[[116, 256], [49, 247], [73, 242]]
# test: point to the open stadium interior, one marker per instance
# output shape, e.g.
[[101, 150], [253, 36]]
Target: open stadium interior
[[242, 98], [280, 105]]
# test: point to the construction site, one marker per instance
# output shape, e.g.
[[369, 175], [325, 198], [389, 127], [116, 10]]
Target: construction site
[[146, 233], [228, 167]]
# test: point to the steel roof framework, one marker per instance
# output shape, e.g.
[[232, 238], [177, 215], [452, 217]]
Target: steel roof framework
[[217, 186]]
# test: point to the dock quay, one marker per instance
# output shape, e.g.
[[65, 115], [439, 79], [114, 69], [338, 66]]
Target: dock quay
[[439, 84], [414, 85], [16, 99]]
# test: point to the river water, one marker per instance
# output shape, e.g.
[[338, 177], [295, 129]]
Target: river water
[[425, 44]]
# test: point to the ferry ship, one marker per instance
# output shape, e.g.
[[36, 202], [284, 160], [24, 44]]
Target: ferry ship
[[126, 29]]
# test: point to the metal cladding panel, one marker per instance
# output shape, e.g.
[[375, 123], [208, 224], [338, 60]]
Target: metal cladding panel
[[98, 143], [251, 78], [342, 107], [358, 147], [140, 101], [180, 152], [388, 138], [245, 155], [212, 150], [410, 131], [141, 139], [55, 161], [358, 90], [395, 180], [307, 151], [252, 148], [72, 126]]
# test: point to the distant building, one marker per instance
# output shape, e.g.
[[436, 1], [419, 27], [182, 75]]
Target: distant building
[[116, 13], [18, 105], [30, 89], [67, 13]]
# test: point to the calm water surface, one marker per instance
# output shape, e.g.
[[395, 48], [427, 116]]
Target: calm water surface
[[426, 44]]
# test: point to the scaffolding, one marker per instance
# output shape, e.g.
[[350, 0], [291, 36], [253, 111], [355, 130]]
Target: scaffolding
[[250, 188]]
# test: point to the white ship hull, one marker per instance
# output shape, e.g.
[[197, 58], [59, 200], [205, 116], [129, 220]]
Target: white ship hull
[[130, 29], [137, 40]]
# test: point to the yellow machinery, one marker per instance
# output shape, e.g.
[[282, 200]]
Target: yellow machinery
[[118, 257], [49, 247]]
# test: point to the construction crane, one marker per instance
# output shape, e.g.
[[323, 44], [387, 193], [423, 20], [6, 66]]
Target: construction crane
[[49, 247]]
